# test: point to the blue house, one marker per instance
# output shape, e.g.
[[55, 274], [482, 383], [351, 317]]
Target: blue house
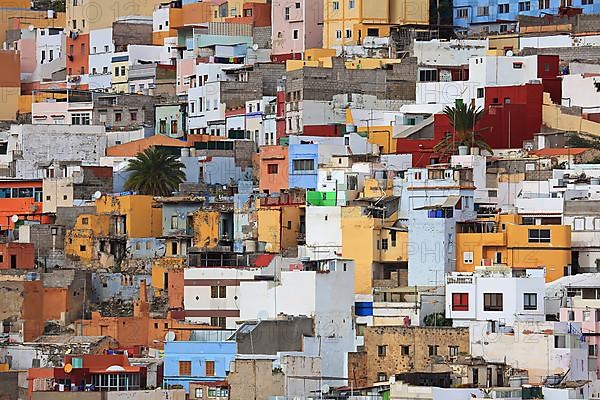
[[197, 361], [303, 165], [501, 15]]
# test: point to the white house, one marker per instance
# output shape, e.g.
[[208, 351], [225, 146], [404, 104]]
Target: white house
[[100, 59], [493, 294], [323, 290]]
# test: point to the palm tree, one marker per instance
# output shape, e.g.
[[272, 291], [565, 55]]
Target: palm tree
[[155, 172], [463, 120]]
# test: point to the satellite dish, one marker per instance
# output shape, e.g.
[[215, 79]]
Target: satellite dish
[[509, 53], [255, 46], [170, 337], [68, 368], [14, 218], [31, 28], [325, 388], [97, 195]]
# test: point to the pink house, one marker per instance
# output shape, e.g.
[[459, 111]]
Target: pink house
[[590, 326], [297, 26]]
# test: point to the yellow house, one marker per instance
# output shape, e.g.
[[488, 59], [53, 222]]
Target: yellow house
[[120, 73], [348, 22], [80, 241], [207, 232], [377, 246], [504, 240], [134, 216], [84, 16], [279, 227]]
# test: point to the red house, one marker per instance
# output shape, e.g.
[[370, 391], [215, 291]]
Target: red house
[[15, 255], [512, 114]]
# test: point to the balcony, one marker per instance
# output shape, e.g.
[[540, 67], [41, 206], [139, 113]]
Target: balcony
[[459, 280]]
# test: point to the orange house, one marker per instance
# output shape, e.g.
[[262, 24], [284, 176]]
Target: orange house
[[78, 51], [255, 14], [273, 166], [22, 198]]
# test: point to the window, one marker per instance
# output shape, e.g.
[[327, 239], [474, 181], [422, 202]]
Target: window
[[174, 222], [381, 377], [218, 321], [393, 237], [116, 71], [185, 368], [539, 236], [503, 8], [272, 169], [492, 302], [530, 301], [593, 350], [479, 93], [453, 351], [544, 4], [428, 75], [405, 350], [286, 14], [587, 2], [483, 11], [133, 116], [351, 4], [462, 13], [433, 350], [382, 350], [218, 292], [384, 244], [587, 315], [460, 301], [82, 247], [80, 119], [468, 257], [348, 33], [335, 5], [295, 34], [85, 220], [123, 71], [209, 368], [198, 393], [118, 117], [560, 341], [304, 165], [524, 6]]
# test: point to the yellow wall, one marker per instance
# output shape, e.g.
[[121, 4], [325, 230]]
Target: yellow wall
[[84, 235], [396, 253], [144, 218], [206, 228], [99, 15], [515, 248], [290, 220], [269, 228], [162, 265], [120, 83], [382, 136], [553, 117], [358, 244], [11, 99], [380, 14], [502, 42]]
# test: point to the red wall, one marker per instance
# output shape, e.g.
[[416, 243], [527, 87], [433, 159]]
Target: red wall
[[502, 126], [24, 253], [79, 57]]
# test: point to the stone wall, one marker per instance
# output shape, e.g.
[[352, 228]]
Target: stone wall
[[384, 348], [255, 379], [398, 82]]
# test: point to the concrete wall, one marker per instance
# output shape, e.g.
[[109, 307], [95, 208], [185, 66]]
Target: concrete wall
[[108, 286]]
